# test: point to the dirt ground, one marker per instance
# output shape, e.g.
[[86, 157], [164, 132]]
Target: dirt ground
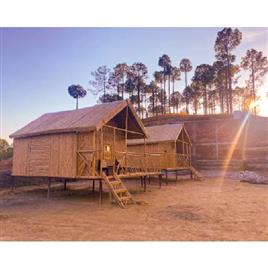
[[213, 209]]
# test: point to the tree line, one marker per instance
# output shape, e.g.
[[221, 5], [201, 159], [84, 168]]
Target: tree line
[[212, 89]]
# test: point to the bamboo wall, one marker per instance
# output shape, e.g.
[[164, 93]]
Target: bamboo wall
[[47, 155], [153, 147]]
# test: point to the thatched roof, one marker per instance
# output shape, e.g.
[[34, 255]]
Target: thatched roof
[[86, 119], [161, 133]]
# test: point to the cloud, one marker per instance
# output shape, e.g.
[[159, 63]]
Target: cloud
[[251, 35]]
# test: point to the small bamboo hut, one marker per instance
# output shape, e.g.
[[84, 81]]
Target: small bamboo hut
[[88, 143], [170, 143]]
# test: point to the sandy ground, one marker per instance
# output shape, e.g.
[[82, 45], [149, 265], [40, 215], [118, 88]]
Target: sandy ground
[[213, 209]]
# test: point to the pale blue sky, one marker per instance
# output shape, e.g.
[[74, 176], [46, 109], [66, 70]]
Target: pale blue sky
[[38, 64]]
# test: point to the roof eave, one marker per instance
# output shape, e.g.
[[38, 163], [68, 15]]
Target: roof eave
[[62, 131]]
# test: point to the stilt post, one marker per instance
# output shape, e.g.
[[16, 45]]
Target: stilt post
[[13, 185], [48, 188], [144, 183], [93, 186], [166, 177], [100, 190], [65, 184], [160, 180]]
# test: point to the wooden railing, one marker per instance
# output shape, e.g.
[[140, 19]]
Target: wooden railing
[[150, 162], [86, 163], [89, 162]]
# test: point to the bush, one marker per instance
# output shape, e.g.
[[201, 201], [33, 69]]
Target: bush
[[6, 154]]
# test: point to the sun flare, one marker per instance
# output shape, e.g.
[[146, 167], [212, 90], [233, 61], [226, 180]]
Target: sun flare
[[262, 103]]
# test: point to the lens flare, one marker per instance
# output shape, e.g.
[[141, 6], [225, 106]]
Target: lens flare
[[234, 143], [231, 150]]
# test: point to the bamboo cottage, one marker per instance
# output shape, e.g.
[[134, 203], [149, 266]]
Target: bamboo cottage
[[171, 144], [88, 143]]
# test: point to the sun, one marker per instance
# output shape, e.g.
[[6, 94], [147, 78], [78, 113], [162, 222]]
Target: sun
[[262, 103]]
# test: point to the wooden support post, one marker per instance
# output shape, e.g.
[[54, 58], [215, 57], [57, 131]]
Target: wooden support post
[[176, 175], [48, 188], [175, 158], [93, 186], [94, 171], [190, 154], [126, 132], [160, 180], [145, 160], [76, 154], [13, 185], [65, 184], [100, 190], [141, 181], [144, 183], [166, 177], [114, 158], [101, 152]]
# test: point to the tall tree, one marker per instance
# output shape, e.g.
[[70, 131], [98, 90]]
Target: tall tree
[[220, 82], [109, 97], [185, 67], [154, 89], [176, 76], [159, 79], [257, 64], [121, 71], [227, 40], [165, 62], [136, 81], [204, 75], [169, 74], [197, 91], [114, 86], [100, 81], [188, 95], [77, 91], [176, 100]]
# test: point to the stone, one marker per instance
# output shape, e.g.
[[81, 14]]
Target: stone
[[252, 177]]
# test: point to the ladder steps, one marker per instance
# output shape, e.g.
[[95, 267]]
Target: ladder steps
[[125, 198], [115, 183], [122, 190], [118, 189], [196, 174]]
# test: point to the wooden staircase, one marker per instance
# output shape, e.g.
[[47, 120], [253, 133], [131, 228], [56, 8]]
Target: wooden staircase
[[196, 174], [118, 190]]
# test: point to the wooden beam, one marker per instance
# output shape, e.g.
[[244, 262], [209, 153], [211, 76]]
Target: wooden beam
[[122, 129]]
